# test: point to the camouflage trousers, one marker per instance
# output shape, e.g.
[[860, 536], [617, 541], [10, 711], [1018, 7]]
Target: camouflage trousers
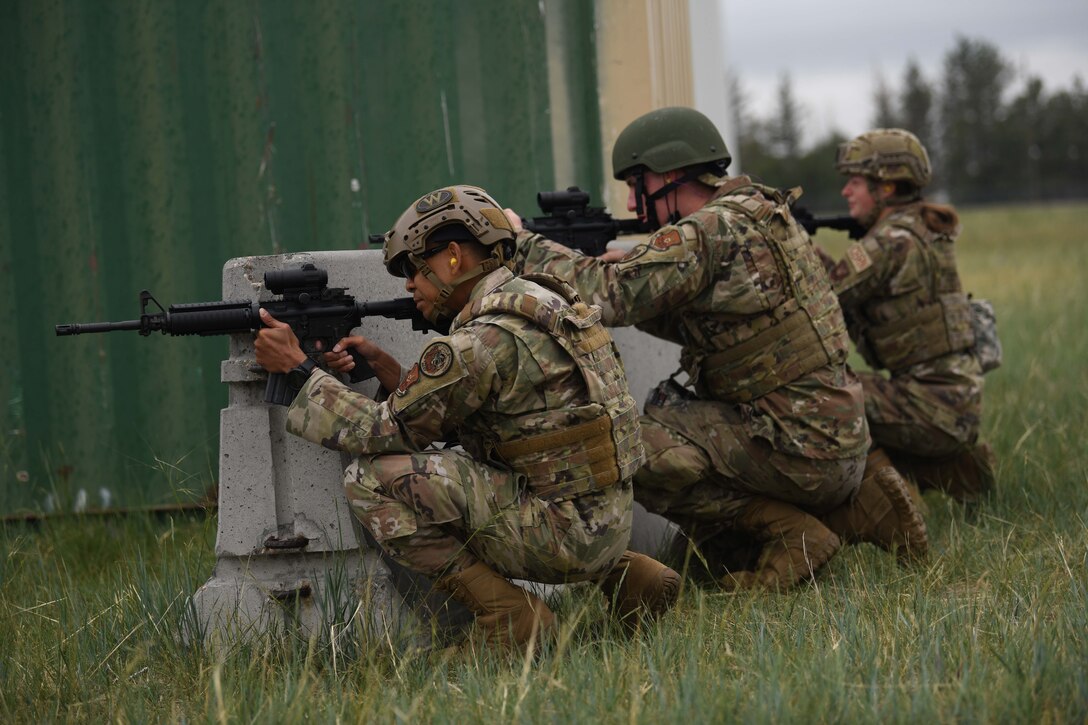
[[437, 512], [703, 468], [924, 419]]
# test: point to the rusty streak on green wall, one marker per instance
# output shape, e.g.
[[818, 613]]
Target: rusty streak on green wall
[[142, 144]]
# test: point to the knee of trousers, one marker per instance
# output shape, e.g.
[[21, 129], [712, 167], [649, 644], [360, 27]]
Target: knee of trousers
[[826, 483], [671, 462], [381, 514], [429, 488], [924, 441], [362, 487]]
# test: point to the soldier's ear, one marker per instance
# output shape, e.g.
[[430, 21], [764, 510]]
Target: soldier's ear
[[456, 253]]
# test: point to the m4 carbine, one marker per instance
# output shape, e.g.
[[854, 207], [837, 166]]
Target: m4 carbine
[[319, 315], [572, 222], [811, 223]]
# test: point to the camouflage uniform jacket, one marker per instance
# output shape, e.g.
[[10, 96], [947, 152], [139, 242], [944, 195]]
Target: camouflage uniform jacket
[[497, 380], [711, 283], [906, 265]]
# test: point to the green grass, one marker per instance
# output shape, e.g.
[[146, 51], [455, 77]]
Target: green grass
[[993, 628]]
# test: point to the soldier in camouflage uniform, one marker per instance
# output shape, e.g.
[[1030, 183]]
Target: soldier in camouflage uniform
[[529, 383], [908, 314], [770, 434]]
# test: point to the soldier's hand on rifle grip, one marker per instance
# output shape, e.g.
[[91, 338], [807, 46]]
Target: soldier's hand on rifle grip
[[276, 347], [385, 367]]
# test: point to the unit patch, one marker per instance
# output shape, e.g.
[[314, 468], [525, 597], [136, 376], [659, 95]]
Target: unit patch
[[636, 252], [436, 360], [858, 257], [409, 380], [664, 241]]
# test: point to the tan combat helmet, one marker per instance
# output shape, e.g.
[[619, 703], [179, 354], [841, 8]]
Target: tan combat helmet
[[449, 214], [886, 154]]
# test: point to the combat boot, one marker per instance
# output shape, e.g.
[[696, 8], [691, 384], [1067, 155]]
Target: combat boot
[[640, 586], [795, 545], [506, 614], [882, 512], [966, 476]]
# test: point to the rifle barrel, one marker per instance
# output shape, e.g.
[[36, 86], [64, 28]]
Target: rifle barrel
[[88, 327]]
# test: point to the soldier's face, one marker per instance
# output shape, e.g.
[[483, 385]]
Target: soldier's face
[[652, 182], [425, 292], [858, 197]]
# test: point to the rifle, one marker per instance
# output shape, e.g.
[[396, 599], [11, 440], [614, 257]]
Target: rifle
[[319, 315], [811, 223], [572, 222]]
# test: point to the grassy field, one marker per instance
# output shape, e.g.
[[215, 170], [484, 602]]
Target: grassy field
[[993, 628]]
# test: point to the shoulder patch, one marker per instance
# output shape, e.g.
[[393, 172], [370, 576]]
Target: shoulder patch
[[409, 380], [665, 240], [436, 360], [637, 251], [857, 256]]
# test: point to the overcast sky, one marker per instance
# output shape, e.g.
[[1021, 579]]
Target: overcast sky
[[833, 50]]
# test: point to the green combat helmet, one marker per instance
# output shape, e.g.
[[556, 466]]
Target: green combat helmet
[[665, 140], [451, 214], [886, 154]]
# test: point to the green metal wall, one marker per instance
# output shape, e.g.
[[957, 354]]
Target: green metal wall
[[144, 143]]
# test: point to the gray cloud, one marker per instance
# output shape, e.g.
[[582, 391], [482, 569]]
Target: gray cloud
[[834, 50]]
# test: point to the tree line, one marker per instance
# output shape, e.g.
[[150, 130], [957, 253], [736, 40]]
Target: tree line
[[988, 142]]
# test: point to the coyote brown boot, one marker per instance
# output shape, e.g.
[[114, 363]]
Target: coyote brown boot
[[966, 476], [506, 614], [640, 585], [795, 545], [882, 512]]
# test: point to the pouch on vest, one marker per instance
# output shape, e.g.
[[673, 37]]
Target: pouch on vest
[[987, 344]]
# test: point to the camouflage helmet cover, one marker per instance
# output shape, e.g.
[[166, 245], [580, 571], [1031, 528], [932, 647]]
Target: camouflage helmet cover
[[886, 154], [667, 139], [465, 206]]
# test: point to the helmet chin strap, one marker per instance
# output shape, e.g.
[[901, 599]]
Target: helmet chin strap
[[642, 199], [882, 201]]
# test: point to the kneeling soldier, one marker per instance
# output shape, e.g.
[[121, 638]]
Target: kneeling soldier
[[904, 304], [529, 383], [769, 436]]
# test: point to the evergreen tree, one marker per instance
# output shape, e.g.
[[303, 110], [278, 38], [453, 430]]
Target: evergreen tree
[[885, 116], [1021, 145], [1063, 145], [916, 104], [785, 129], [975, 79], [816, 173]]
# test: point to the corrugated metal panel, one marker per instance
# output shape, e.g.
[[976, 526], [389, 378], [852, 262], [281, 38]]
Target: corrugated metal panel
[[142, 144]]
